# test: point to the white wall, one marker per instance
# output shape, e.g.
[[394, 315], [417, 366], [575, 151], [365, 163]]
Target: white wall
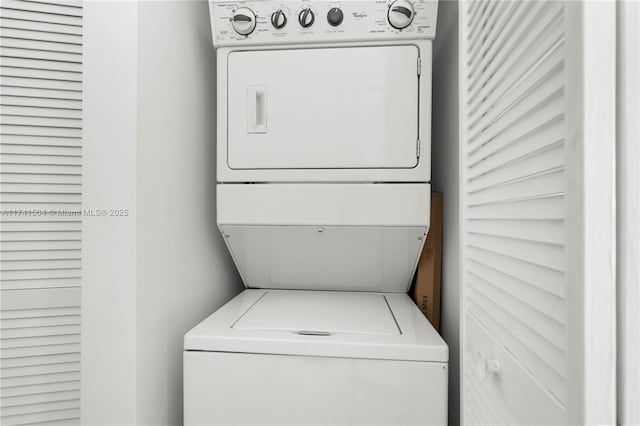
[[108, 349], [150, 138], [445, 179], [184, 269]]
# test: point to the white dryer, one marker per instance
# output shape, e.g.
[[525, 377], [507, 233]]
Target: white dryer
[[323, 196]]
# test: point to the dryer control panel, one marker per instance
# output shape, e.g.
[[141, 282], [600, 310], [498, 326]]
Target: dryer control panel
[[238, 23]]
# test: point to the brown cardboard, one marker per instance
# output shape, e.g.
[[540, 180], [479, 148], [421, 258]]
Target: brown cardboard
[[426, 291]]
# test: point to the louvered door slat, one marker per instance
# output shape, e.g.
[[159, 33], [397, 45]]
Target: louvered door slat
[[41, 55], [540, 231], [548, 304], [28, 34], [542, 185], [479, 75], [40, 83], [40, 226], [538, 32], [547, 328], [42, 389], [492, 157], [497, 102], [33, 370], [59, 151], [26, 265], [40, 169], [542, 80], [40, 65], [41, 414], [49, 320], [40, 192], [531, 164], [39, 26], [41, 198], [531, 273], [534, 130], [550, 207], [49, 104], [18, 12], [527, 117], [10, 256], [40, 245], [40, 159], [39, 313], [491, 14], [41, 45], [23, 352], [478, 23], [40, 398], [40, 111], [64, 8], [42, 283], [506, 30], [63, 132], [543, 254]]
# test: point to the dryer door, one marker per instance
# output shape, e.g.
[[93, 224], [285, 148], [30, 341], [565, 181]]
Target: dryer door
[[331, 108]]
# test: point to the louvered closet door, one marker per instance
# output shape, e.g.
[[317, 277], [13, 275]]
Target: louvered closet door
[[40, 175], [537, 164]]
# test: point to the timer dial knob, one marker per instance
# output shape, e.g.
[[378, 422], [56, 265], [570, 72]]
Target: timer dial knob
[[335, 16], [306, 18], [278, 19], [243, 21], [401, 14]]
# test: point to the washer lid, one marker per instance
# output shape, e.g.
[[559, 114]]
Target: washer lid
[[320, 323], [320, 313]]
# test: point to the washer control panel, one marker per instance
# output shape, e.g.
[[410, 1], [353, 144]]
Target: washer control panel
[[259, 22]]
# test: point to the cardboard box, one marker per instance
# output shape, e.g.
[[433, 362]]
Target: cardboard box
[[426, 290]]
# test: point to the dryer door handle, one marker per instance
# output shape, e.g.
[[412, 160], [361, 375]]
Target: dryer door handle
[[257, 109]]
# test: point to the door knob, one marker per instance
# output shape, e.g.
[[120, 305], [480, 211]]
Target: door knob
[[484, 366]]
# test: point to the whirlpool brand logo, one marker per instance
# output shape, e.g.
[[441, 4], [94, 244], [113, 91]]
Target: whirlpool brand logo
[[359, 15]]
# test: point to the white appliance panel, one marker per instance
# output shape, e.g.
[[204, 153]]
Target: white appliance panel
[[320, 313], [254, 389], [326, 257], [363, 20], [345, 204], [329, 108]]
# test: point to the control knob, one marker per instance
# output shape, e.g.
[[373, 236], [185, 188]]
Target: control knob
[[243, 21], [278, 19], [335, 16], [306, 18], [401, 14]]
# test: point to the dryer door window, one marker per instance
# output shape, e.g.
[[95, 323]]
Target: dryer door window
[[332, 108]]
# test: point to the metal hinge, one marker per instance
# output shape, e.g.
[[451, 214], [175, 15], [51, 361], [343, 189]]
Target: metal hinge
[[419, 65], [418, 148]]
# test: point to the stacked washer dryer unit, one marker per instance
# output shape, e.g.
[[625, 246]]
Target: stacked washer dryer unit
[[323, 201]]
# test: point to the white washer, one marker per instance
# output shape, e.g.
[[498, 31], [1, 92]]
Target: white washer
[[323, 201], [286, 357]]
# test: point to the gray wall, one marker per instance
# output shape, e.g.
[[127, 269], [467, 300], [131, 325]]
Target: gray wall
[[445, 179], [151, 148]]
